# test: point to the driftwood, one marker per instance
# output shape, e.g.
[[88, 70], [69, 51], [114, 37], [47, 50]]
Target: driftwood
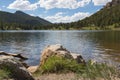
[[14, 55]]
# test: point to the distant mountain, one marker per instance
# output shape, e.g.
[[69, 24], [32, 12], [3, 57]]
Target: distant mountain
[[20, 20], [109, 15]]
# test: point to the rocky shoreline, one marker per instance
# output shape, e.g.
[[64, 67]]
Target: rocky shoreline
[[57, 53]]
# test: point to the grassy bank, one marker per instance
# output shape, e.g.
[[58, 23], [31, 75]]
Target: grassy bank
[[90, 71], [58, 68]]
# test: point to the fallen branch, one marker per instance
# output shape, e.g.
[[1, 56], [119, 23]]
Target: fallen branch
[[14, 55]]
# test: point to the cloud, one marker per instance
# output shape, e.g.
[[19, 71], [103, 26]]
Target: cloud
[[0, 9], [58, 17], [22, 5], [50, 4], [69, 4], [100, 2]]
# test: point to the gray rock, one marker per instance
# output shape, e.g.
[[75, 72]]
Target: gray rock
[[78, 58], [18, 71]]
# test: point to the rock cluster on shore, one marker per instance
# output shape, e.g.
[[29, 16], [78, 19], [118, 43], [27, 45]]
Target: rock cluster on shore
[[21, 72], [16, 68]]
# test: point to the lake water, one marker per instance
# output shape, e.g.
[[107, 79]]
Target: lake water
[[97, 45]]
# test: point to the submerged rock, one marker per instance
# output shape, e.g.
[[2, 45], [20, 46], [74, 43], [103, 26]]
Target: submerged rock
[[59, 50], [16, 68]]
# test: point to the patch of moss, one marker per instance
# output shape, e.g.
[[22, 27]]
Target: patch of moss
[[4, 74]]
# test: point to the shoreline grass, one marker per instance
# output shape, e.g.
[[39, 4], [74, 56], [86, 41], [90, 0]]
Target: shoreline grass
[[90, 71]]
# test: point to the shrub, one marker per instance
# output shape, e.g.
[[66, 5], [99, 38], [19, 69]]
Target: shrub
[[100, 70], [91, 71], [56, 64]]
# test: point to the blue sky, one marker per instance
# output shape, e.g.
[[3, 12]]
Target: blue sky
[[55, 11]]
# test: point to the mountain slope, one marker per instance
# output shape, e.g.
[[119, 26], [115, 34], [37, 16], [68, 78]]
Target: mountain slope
[[20, 20], [109, 15], [106, 18]]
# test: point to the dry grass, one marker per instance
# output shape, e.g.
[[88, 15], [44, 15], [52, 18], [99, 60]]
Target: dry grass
[[55, 69], [68, 76]]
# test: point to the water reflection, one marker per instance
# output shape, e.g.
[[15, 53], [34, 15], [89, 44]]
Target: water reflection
[[98, 45]]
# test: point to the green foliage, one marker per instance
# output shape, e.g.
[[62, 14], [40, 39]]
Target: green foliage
[[20, 20], [100, 70], [111, 27], [58, 64], [91, 71], [7, 71], [90, 28], [102, 18], [4, 74]]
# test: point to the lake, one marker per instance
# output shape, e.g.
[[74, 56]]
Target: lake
[[98, 45]]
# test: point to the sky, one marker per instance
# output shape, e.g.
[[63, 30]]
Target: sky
[[55, 11]]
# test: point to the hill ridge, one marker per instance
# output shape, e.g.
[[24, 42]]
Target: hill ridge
[[21, 20]]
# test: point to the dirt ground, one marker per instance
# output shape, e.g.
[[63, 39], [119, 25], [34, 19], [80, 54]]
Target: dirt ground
[[68, 76]]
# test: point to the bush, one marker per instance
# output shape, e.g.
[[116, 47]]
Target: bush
[[100, 70], [91, 71], [59, 64]]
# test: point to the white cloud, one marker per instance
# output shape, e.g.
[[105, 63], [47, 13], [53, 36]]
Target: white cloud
[[22, 5], [69, 4], [58, 17], [100, 2], [0, 9], [50, 4]]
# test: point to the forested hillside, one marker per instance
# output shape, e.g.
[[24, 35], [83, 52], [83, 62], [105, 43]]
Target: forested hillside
[[20, 20], [107, 18]]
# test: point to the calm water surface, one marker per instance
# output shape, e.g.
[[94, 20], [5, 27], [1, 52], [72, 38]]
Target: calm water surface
[[97, 45]]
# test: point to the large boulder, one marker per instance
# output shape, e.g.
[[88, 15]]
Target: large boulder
[[16, 68], [59, 50]]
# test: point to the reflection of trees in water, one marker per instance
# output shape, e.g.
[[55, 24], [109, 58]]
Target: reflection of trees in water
[[109, 42], [108, 39]]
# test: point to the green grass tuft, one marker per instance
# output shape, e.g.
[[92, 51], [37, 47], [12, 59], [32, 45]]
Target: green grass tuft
[[100, 70], [91, 71], [56, 64], [4, 74]]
